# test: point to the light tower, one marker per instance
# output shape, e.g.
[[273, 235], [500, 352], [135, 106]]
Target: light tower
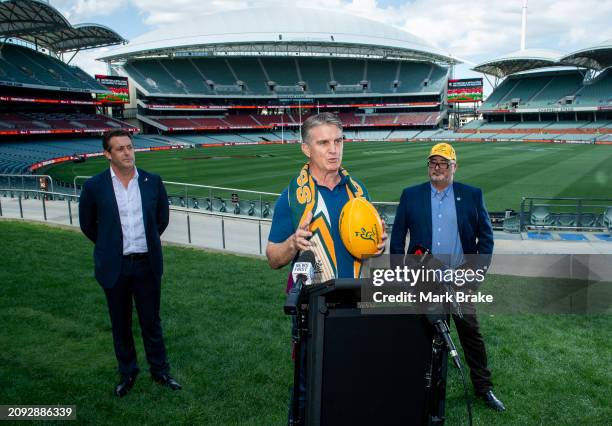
[[524, 24]]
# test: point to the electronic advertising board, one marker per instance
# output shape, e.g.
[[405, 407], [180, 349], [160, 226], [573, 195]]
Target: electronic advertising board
[[465, 90], [120, 90]]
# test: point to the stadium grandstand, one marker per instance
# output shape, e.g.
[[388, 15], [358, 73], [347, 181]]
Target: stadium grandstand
[[236, 82], [48, 107], [545, 96]]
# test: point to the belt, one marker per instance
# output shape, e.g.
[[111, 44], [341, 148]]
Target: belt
[[135, 256]]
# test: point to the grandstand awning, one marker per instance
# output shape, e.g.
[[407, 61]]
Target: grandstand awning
[[596, 57], [41, 24], [281, 30], [521, 60]]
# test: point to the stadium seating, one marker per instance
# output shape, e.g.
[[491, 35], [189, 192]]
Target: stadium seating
[[607, 218], [540, 216], [251, 76], [57, 123], [209, 122], [403, 134], [247, 121], [419, 118], [551, 89], [282, 71], [381, 76], [157, 79], [315, 73], [350, 119], [556, 88], [382, 119], [16, 157], [250, 72], [598, 92], [347, 71], [21, 65], [474, 124]]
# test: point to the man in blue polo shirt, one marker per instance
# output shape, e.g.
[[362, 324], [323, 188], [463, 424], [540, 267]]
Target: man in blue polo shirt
[[308, 210], [307, 213]]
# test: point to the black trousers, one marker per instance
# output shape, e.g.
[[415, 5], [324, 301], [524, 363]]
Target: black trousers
[[137, 282], [474, 351]]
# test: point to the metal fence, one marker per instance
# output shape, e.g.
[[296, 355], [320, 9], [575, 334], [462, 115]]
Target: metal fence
[[195, 227], [201, 215], [15, 181], [235, 201], [565, 213]]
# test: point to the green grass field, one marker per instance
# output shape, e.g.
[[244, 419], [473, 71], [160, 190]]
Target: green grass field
[[228, 343], [505, 171]]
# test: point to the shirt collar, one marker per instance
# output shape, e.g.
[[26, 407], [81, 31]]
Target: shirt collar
[[443, 193], [343, 180], [114, 176]]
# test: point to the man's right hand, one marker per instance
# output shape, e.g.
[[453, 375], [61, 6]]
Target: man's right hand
[[280, 254], [300, 240]]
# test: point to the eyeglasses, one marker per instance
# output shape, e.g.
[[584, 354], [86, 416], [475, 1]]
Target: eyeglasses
[[442, 164]]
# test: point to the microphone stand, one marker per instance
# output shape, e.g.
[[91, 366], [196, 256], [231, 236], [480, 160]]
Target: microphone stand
[[298, 341], [439, 322]]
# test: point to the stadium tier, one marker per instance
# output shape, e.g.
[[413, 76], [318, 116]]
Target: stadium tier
[[285, 120], [39, 123], [284, 76], [21, 66], [550, 89], [17, 157], [553, 127]]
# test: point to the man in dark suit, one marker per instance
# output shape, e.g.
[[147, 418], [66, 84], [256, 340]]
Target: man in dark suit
[[124, 210], [450, 219]]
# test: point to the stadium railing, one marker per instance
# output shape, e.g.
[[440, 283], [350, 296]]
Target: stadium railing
[[565, 213]]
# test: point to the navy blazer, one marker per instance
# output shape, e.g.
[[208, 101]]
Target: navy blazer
[[99, 219], [414, 215]]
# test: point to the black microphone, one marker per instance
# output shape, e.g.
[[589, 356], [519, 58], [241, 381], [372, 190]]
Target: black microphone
[[425, 256], [303, 274], [436, 320], [442, 329], [419, 250]]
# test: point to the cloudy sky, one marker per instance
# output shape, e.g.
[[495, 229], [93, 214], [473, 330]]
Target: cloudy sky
[[474, 30]]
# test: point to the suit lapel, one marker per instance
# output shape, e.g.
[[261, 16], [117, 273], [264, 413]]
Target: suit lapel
[[427, 212], [110, 195], [144, 184], [460, 209]]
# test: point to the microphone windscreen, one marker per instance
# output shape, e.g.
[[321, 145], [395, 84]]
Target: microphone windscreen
[[307, 256], [418, 250]]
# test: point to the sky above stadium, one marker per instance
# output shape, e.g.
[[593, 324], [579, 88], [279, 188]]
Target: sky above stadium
[[473, 30]]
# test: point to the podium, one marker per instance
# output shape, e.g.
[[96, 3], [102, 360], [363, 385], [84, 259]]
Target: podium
[[369, 366]]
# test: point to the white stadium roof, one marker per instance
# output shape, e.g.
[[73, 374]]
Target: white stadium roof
[[518, 61], [280, 31], [595, 57], [41, 24]]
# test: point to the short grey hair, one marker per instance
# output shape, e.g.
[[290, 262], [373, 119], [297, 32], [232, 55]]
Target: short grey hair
[[319, 120]]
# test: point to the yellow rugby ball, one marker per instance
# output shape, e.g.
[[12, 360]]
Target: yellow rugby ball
[[360, 228]]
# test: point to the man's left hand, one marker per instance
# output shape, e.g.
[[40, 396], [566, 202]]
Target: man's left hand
[[381, 247]]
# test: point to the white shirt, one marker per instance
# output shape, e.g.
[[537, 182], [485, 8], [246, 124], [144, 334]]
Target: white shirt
[[129, 203]]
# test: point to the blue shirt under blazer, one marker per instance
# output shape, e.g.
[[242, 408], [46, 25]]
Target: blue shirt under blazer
[[414, 215], [99, 219]]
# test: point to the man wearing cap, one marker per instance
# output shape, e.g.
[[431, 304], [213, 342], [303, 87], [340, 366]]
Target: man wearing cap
[[450, 219]]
